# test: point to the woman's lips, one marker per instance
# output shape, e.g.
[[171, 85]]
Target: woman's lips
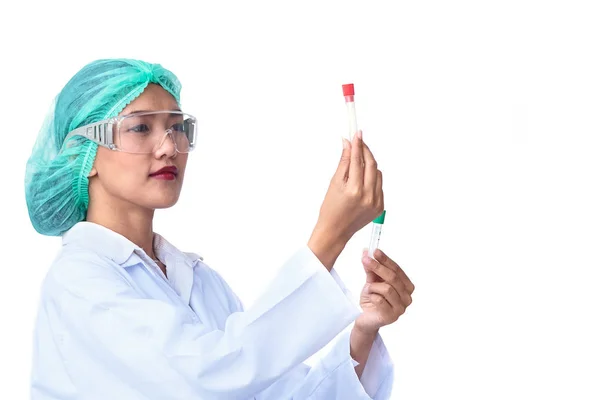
[[166, 173], [167, 176]]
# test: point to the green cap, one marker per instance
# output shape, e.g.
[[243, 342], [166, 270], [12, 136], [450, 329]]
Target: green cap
[[380, 219]]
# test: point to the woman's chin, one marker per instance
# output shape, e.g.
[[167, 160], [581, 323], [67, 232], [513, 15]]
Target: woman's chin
[[163, 202]]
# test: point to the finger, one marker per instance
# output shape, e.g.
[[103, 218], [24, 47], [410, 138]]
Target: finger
[[356, 163], [392, 265], [388, 276], [396, 283], [389, 293], [379, 190], [371, 276], [370, 178], [380, 302], [344, 166]]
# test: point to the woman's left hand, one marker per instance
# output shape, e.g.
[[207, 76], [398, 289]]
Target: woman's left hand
[[386, 294]]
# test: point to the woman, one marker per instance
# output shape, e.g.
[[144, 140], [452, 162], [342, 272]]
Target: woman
[[124, 314]]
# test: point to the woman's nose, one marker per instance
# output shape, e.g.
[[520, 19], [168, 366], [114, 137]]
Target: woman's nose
[[166, 146]]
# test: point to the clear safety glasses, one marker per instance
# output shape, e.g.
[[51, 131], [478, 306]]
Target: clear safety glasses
[[142, 132]]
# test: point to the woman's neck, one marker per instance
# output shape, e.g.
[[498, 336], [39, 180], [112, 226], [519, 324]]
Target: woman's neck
[[131, 221]]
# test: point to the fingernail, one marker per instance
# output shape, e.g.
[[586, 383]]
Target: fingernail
[[359, 133], [344, 143]]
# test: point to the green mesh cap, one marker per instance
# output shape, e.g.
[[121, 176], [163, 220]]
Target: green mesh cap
[[56, 176]]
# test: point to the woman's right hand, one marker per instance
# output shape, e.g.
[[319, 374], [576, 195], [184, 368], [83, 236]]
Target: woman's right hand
[[354, 198]]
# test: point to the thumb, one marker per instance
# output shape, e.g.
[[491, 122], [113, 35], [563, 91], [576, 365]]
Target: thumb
[[371, 276], [344, 165], [365, 291]]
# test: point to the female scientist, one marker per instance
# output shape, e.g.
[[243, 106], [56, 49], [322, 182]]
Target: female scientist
[[126, 315]]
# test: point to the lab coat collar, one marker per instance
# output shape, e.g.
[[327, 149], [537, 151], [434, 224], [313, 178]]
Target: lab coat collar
[[118, 248], [165, 250]]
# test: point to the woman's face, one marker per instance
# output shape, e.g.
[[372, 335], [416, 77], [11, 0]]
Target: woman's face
[[129, 178]]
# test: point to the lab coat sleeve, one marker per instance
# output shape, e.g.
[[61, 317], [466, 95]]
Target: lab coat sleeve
[[163, 352], [333, 377]]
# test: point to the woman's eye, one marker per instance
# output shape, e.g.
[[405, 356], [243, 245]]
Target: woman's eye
[[142, 128], [178, 127]]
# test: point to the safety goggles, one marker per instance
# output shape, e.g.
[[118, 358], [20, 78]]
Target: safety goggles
[[142, 132]]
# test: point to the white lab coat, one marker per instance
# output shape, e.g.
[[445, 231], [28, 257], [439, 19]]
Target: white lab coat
[[111, 326]]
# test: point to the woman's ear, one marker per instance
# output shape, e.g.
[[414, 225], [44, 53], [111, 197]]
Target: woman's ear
[[93, 172]]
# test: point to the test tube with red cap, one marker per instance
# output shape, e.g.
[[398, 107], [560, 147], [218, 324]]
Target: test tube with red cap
[[348, 90]]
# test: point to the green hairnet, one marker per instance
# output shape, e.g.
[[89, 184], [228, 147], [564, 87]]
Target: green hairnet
[[56, 177]]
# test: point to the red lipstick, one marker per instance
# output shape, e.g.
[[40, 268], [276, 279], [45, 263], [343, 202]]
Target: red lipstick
[[167, 173]]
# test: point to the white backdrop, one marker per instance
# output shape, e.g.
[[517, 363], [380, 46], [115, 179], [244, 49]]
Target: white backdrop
[[483, 117]]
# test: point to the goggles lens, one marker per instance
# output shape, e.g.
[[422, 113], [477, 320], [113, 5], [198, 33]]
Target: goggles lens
[[145, 132]]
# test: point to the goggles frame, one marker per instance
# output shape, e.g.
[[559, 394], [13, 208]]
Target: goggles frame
[[102, 132]]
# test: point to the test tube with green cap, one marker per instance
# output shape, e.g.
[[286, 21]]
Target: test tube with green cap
[[376, 233]]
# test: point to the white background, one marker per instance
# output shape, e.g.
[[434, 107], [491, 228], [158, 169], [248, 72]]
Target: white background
[[484, 117]]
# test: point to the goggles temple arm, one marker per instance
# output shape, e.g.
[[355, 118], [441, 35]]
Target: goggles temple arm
[[99, 132]]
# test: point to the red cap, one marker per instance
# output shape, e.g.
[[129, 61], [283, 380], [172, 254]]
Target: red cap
[[348, 89]]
